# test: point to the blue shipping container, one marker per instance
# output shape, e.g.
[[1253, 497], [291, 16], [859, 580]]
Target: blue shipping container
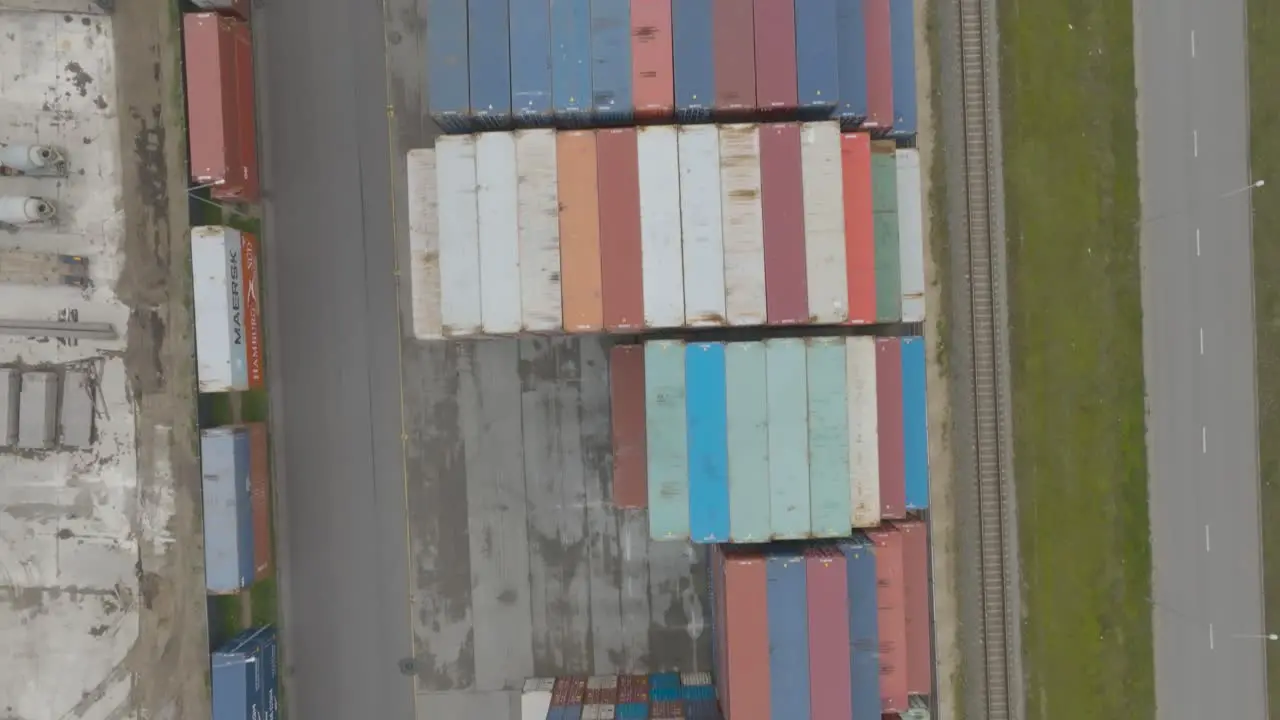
[[611, 60], [239, 675], [571, 60], [788, 612], [747, 409], [864, 628], [631, 711], [693, 48], [448, 82], [903, 42], [490, 60], [817, 53], [531, 61], [915, 424], [273, 676], [851, 41], [788, 438], [708, 448], [227, 537], [666, 440]]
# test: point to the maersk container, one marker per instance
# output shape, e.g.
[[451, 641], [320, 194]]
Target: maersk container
[[746, 377], [460, 305], [228, 516], [652, 62], [488, 39], [700, 225], [892, 619], [911, 234], [708, 444], [864, 628], [448, 81], [851, 62], [817, 56], [864, 449], [693, 49], [879, 64], [424, 243], [903, 41], [824, 241], [782, 206], [530, 26], [788, 610], [571, 61], [657, 150], [746, 630], [787, 388], [499, 230], [827, 592], [742, 224], [240, 676], [884, 181], [893, 495], [859, 227], [915, 431], [919, 650], [611, 61], [667, 440], [829, 485], [228, 313], [537, 215]]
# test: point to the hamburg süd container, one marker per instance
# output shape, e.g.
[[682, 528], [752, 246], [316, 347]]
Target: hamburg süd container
[[827, 593], [693, 53], [579, 231], [903, 49], [911, 234], [666, 437], [707, 419], [742, 224], [448, 83], [241, 676], [851, 61], [892, 618], [733, 30], [915, 424], [499, 229], [746, 629], [228, 311], [242, 186], [817, 56], [864, 436], [700, 224], [786, 384], [213, 122], [488, 40], [662, 260], [915, 585], [788, 609], [260, 499], [879, 64], [456, 183], [884, 198], [775, 50], [782, 206], [571, 60], [830, 489], [424, 243], [747, 408], [537, 213], [627, 412], [530, 23], [621, 256], [893, 500], [228, 515], [652, 60], [859, 227], [824, 241], [864, 627], [611, 60]]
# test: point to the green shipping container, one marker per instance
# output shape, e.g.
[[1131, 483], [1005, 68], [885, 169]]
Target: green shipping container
[[884, 205]]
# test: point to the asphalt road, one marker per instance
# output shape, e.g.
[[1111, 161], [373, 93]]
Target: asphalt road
[[1199, 343]]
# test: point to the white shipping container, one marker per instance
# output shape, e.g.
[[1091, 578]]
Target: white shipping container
[[8, 407], [38, 410], [598, 712], [75, 414], [538, 209], [700, 225], [864, 442], [824, 222], [459, 235], [911, 234], [535, 704], [217, 270], [499, 233], [424, 244], [742, 224], [661, 257]]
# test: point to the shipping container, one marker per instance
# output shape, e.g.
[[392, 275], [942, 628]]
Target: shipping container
[[788, 608], [746, 376], [242, 185], [893, 500], [782, 208], [240, 675], [499, 229], [892, 619], [611, 60], [884, 199], [666, 438], [829, 478], [851, 61], [627, 411], [864, 628], [537, 212], [775, 54], [38, 411], [859, 227], [708, 443], [260, 499], [490, 62], [827, 593], [75, 410], [456, 182], [652, 64], [227, 308], [824, 243], [915, 424], [9, 401], [700, 225], [621, 254], [531, 61], [864, 436], [742, 224], [424, 244], [879, 64], [915, 587], [817, 56], [228, 517], [903, 48], [633, 689], [239, 8], [579, 231], [662, 258], [788, 438], [733, 35], [910, 234], [571, 60], [448, 81], [213, 121], [693, 53], [746, 625]]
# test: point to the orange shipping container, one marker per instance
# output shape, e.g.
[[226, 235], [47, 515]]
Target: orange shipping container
[[653, 81], [859, 228], [579, 231], [212, 117], [745, 629], [260, 500], [618, 178], [244, 186]]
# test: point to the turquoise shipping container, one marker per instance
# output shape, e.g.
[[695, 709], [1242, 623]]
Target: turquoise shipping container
[[787, 383], [665, 429], [829, 478], [747, 409]]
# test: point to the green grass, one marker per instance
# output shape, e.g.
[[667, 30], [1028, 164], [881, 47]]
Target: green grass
[[1070, 143], [224, 618]]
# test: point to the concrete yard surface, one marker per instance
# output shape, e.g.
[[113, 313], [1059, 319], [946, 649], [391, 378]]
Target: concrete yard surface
[[101, 572]]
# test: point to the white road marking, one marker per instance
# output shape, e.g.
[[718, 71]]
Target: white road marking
[[1204, 439], [1197, 242], [1206, 539], [1195, 143], [1210, 636], [1193, 43], [1201, 341]]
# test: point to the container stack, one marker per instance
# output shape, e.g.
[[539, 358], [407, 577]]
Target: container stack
[[246, 676], [661, 696], [236, 493], [224, 267]]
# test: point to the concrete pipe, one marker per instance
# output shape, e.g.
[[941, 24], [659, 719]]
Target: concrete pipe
[[25, 210], [31, 160]]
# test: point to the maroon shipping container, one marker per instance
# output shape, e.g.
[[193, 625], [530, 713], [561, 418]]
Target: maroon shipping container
[[893, 488], [775, 26], [746, 629], [879, 63], [915, 582], [569, 691], [827, 586], [782, 201], [653, 70], [626, 398], [244, 187], [212, 115], [666, 710], [618, 179], [892, 618], [633, 688], [733, 37], [260, 500]]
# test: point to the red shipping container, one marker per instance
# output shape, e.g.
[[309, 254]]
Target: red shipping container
[[733, 37], [260, 499], [633, 688], [212, 115], [893, 488], [618, 175], [569, 691], [747, 627], [879, 63], [626, 399], [782, 200], [859, 227], [915, 582], [652, 65], [775, 31], [667, 710], [892, 618], [827, 584], [245, 186]]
